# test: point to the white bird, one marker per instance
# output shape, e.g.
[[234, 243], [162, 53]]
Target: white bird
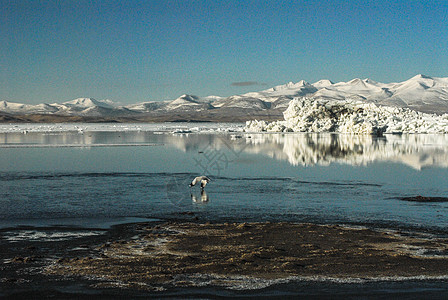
[[202, 179]]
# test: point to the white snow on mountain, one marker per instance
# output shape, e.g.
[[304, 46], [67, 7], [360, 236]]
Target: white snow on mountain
[[290, 90], [423, 93], [86, 103], [108, 102], [187, 102], [420, 93], [322, 83], [243, 102], [210, 99], [14, 108], [146, 106]]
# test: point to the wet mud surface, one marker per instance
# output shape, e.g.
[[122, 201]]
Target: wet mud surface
[[156, 258], [425, 199]]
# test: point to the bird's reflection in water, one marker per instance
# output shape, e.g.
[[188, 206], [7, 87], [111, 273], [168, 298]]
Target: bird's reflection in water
[[203, 198]]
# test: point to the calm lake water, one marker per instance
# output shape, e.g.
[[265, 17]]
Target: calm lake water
[[92, 178]]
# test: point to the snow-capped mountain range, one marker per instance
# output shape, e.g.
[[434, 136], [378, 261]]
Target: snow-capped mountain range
[[421, 93]]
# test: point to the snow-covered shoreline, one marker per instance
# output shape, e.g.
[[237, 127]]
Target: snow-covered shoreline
[[177, 127], [351, 116]]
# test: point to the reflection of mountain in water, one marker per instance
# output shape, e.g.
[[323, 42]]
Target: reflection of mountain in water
[[417, 151], [78, 138]]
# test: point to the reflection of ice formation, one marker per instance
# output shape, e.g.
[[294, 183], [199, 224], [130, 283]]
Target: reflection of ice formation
[[351, 116], [417, 151]]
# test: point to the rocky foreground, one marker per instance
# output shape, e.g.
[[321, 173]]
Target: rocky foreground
[[153, 257], [178, 253]]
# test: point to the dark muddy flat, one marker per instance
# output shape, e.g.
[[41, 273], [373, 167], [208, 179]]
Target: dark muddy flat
[[175, 258], [425, 199]]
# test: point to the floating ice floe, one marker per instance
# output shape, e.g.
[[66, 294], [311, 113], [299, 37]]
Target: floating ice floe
[[350, 116]]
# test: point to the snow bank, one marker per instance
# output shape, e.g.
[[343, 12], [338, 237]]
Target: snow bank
[[177, 127], [351, 116]]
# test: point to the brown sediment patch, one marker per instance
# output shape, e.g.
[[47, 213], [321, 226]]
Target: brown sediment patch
[[183, 253], [425, 199]]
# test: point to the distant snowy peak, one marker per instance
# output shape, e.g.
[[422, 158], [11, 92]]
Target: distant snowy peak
[[4, 104], [11, 107], [19, 108], [420, 77], [242, 102], [421, 92], [322, 83], [88, 102], [188, 102], [424, 81], [290, 89], [146, 106], [108, 102], [210, 99], [290, 85], [370, 81], [185, 100], [190, 98]]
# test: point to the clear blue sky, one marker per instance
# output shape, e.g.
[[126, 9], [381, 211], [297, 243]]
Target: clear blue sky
[[135, 51]]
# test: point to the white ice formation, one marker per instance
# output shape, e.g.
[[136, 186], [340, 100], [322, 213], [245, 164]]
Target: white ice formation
[[350, 116]]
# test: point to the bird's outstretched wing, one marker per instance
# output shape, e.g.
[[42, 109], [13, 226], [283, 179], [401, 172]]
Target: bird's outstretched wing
[[202, 179]]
